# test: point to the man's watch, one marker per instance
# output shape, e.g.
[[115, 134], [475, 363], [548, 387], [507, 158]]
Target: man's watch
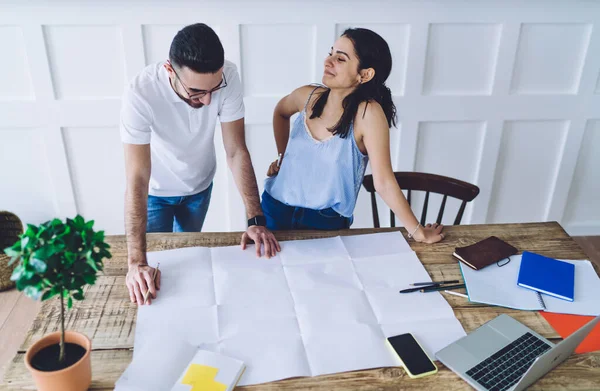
[[258, 220]]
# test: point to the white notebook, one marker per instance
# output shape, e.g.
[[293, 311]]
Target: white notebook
[[209, 371], [495, 285]]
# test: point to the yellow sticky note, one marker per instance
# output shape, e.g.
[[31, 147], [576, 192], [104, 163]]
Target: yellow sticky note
[[202, 378]]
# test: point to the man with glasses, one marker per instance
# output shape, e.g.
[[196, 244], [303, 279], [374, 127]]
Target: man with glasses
[[168, 120]]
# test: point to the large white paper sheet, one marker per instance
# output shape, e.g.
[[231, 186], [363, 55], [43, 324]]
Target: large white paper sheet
[[373, 245], [321, 306]]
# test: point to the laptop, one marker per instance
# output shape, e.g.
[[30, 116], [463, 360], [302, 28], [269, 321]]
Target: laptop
[[504, 354]]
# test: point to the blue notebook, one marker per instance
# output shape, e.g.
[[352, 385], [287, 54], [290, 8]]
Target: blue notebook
[[547, 275]]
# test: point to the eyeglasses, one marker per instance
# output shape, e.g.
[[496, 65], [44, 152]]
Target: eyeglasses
[[201, 94]]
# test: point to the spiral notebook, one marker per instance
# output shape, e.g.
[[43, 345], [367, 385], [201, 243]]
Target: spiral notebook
[[547, 275], [495, 285]]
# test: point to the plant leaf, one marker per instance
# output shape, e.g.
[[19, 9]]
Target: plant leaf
[[24, 242], [70, 302], [31, 231], [49, 294], [17, 273], [92, 263], [38, 265], [32, 291], [12, 251], [45, 252], [89, 278], [13, 260], [78, 296]]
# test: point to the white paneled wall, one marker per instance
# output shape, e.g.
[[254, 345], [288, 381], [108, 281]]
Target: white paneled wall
[[503, 94], [471, 48]]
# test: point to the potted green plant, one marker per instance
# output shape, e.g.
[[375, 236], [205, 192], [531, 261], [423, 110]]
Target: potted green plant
[[59, 258]]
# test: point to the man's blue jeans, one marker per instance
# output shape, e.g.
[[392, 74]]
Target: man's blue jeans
[[178, 214]]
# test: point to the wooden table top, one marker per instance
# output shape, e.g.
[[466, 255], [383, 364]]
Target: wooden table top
[[108, 317]]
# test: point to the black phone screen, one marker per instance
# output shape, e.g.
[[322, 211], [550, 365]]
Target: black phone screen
[[411, 354]]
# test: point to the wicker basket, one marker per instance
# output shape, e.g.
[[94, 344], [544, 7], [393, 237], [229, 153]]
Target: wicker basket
[[10, 229]]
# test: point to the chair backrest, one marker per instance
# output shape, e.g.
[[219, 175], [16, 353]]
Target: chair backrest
[[429, 183]]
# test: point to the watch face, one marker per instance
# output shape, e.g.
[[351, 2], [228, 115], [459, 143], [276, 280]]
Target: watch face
[[261, 220]]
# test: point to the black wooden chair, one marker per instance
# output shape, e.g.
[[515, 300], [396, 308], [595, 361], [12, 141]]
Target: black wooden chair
[[429, 183]]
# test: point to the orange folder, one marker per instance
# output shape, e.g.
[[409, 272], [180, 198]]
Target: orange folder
[[566, 325]]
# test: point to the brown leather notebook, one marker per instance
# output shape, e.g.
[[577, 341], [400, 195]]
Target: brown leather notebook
[[484, 253]]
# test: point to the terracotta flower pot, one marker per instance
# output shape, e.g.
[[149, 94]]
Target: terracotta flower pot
[[77, 377]]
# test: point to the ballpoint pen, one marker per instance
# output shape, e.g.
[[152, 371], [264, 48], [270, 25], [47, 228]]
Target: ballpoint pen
[[441, 288], [420, 286], [434, 283], [409, 290]]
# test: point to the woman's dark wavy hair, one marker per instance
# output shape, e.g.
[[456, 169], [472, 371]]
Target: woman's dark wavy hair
[[372, 52]]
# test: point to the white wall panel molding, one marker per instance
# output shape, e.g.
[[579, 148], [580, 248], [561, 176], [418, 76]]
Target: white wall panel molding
[[504, 94]]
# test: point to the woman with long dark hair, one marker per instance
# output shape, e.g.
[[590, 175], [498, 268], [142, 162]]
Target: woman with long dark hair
[[341, 125]]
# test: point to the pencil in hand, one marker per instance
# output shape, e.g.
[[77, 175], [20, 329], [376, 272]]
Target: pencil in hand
[[147, 294]]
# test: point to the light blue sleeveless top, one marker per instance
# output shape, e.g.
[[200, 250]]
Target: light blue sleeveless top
[[319, 174]]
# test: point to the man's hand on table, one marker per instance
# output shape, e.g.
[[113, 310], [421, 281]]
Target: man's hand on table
[[261, 235], [139, 280]]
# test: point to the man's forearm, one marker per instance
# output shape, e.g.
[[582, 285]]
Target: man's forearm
[[136, 216], [245, 180]]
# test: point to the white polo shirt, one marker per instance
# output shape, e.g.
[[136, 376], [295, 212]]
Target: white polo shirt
[[181, 138]]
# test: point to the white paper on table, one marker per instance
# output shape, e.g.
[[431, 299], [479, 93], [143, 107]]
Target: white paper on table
[[497, 285], [235, 255], [237, 319], [182, 260], [391, 271], [383, 277], [347, 347], [586, 295], [190, 324], [373, 245], [393, 307], [186, 298], [150, 371], [186, 276], [313, 309], [268, 356], [251, 282], [319, 276], [294, 315], [302, 252]]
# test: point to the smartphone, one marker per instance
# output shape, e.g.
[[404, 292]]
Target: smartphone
[[414, 359]]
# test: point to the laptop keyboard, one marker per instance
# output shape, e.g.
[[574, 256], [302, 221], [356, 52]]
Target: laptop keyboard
[[504, 368]]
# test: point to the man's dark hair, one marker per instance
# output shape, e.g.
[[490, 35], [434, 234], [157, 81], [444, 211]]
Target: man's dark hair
[[197, 47]]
